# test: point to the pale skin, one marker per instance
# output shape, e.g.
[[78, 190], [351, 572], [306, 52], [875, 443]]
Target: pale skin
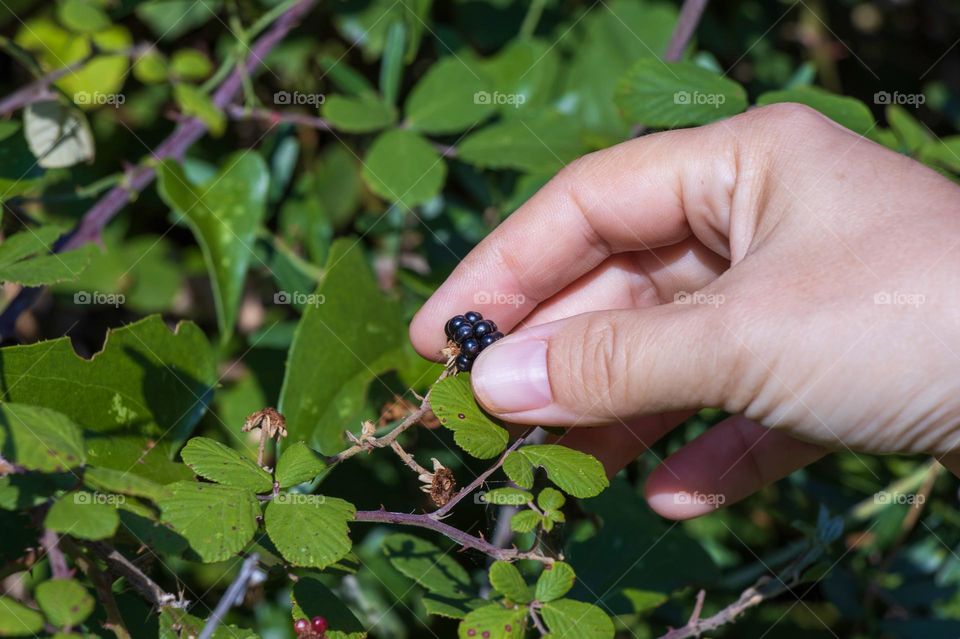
[[825, 309]]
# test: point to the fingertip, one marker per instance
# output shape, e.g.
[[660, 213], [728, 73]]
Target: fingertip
[[669, 498], [426, 337]]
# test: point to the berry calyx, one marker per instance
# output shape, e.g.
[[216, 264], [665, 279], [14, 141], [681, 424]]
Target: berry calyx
[[319, 625], [301, 626], [471, 333]]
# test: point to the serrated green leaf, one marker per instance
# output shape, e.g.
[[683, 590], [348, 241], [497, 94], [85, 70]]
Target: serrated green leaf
[[506, 496], [16, 620], [450, 97], [217, 520], [507, 580], [339, 347], [574, 472], [518, 469], [454, 405], [845, 111], [494, 622], [214, 461], [149, 380], [550, 499], [64, 601], [58, 135], [224, 214], [555, 581], [363, 114], [910, 131], [40, 439], [569, 619], [428, 565], [116, 481], [525, 521], [25, 258], [542, 143], [666, 95], [312, 598], [297, 464], [403, 167], [83, 515], [310, 530]]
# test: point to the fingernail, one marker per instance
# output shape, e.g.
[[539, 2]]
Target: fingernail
[[511, 376]]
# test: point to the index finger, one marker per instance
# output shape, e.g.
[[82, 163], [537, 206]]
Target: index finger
[[637, 195]]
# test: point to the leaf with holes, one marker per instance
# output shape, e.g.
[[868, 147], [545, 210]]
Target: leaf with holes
[[217, 520], [454, 405], [212, 460], [310, 530]]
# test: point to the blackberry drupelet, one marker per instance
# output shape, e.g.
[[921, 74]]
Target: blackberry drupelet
[[472, 334]]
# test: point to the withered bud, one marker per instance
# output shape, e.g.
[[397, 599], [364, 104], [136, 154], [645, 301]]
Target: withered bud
[[271, 421]]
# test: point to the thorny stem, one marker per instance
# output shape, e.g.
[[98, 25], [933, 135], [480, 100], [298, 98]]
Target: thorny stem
[[408, 459], [140, 582], [537, 623], [464, 539]]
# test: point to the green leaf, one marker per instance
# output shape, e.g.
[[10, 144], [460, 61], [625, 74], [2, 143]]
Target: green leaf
[[40, 439], [139, 456], [525, 521], [550, 499], [454, 405], [494, 622], [148, 379], [214, 461], [518, 469], [428, 565], [124, 482], [217, 520], [150, 67], [507, 496], [403, 167], [944, 152], [569, 619], [644, 601], [524, 73], [170, 19], [913, 135], [83, 515], [363, 114], [178, 624], [507, 580], [845, 111], [310, 530], [665, 95], [82, 16], [26, 258], [576, 473], [58, 135], [391, 66], [224, 214], [449, 607], [555, 581], [297, 464], [16, 620], [540, 143], [312, 598], [64, 601], [449, 98], [194, 103], [190, 64], [339, 347]]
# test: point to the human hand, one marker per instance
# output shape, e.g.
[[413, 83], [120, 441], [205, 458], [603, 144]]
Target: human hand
[[775, 265]]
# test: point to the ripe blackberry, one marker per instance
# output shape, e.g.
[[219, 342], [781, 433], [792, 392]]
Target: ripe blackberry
[[472, 334]]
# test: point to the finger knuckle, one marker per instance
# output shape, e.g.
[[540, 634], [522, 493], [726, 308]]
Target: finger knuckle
[[790, 117]]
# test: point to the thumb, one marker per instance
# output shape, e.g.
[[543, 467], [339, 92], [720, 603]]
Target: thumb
[[606, 367]]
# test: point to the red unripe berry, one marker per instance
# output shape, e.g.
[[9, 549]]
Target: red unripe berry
[[319, 625], [301, 626]]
